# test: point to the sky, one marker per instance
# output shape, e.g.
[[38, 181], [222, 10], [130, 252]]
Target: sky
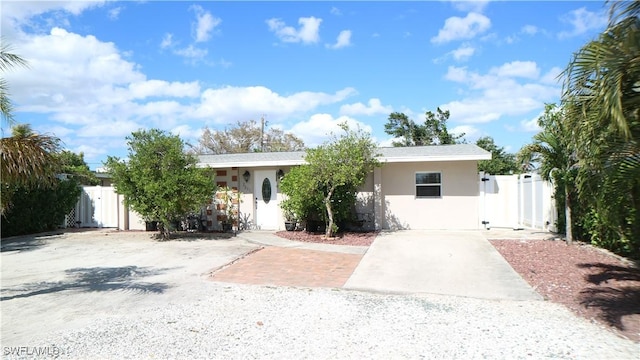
[[99, 70]]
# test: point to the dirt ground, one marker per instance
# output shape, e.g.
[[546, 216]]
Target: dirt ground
[[68, 280]]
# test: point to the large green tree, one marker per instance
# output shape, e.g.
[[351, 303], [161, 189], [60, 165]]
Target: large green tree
[[333, 173], [160, 181], [501, 163], [433, 131], [245, 137]]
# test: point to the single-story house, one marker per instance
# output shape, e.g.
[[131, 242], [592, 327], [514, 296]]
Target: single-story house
[[422, 187]]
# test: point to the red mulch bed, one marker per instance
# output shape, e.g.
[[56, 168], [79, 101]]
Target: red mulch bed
[[591, 282], [344, 238]]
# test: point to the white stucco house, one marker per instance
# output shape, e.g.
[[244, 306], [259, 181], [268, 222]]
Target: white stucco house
[[425, 187]]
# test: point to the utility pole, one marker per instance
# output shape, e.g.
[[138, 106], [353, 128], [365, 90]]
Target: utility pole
[[262, 125]]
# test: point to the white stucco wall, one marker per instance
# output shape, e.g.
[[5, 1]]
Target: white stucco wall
[[457, 208]]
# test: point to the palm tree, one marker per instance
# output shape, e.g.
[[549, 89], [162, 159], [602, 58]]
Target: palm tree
[[603, 75], [26, 157], [552, 149], [602, 98], [8, 60]]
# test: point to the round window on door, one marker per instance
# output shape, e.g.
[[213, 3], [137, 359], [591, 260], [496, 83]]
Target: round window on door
[[266, 190]]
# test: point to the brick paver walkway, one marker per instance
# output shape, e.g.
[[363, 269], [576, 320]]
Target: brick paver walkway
[[291, 267]]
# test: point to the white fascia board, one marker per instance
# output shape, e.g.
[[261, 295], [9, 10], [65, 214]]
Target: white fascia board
[[436, 158], [251, 164], [275, 163]]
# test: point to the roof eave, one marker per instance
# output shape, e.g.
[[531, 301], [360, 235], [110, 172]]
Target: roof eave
[[394, 159], [248, 164], [436, 158]]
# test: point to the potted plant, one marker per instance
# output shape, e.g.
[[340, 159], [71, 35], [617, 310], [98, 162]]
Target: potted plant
[[228, 200], [290, 219]]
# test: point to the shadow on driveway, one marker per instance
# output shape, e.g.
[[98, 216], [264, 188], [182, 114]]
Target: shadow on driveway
[[93, 279], [616, 294], [25, 243]]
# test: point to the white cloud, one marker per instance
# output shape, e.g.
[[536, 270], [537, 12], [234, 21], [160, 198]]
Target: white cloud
[[456, 28], [15, 14], [457, 74], [167, 41], [229, 103], [319, 128], [92, 96], [470, 5], [529, 30], [552, 76], [114, 13], [470, 132], [149, 88], [186, 132], [530, 125], [514, 88], [582, 21], [192, 52], [373, 107], [525, 69], [463, 53], [308, 32], [205, 23], [335, 11], [343, 40]]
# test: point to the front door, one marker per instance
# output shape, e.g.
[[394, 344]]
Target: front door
[[265, 192]]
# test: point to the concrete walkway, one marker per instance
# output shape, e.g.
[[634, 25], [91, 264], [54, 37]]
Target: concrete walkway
[[461, 263], [268, 238]]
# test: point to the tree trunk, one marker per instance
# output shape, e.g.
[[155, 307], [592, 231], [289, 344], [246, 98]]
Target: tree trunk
[[567, 215], [327, 203], [164, 230]]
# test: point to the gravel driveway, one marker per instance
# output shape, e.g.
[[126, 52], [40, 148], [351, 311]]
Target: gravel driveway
[[122, 295]]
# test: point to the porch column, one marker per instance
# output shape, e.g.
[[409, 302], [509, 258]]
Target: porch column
[[378, 199]]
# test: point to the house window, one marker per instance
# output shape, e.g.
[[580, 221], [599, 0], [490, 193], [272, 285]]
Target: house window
[[428, 184]]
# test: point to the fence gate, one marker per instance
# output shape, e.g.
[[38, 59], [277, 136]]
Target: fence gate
[[97, 207], [516, 201]]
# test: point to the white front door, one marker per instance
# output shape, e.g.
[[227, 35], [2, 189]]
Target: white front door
[[265, 192]]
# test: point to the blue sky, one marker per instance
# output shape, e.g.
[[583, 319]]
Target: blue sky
[[102, 69]]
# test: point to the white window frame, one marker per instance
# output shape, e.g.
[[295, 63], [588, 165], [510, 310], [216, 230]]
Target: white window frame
[[439, 185]]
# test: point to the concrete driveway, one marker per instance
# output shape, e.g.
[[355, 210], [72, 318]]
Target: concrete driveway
[[461, 263], [68, 281]]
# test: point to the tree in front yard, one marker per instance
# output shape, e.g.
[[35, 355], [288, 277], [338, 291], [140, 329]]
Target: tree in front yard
[[334, 173], [160, 181]]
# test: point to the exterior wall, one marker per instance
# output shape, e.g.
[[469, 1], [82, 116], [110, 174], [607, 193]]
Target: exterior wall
[[365, 204], [387, 199], [457, 208], [248, 204]]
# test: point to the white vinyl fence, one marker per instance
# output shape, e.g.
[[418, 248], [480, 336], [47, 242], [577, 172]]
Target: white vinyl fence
[[517, 201], [102, 207]]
